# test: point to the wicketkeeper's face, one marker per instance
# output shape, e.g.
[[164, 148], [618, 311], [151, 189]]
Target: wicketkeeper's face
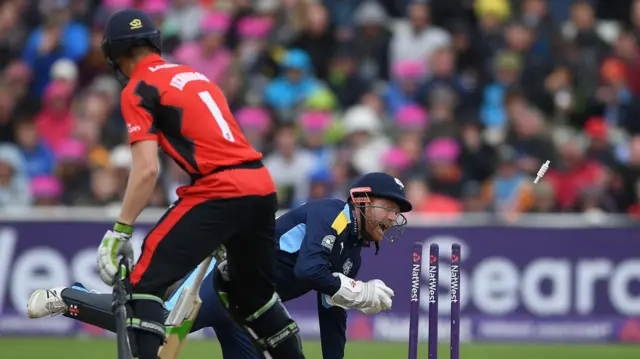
[[383, 219]]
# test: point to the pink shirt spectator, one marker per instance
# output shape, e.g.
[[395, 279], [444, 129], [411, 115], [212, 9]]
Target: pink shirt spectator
[[208, 54], [55, 122]]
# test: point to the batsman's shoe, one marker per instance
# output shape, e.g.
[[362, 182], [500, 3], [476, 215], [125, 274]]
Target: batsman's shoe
[[45, 302]]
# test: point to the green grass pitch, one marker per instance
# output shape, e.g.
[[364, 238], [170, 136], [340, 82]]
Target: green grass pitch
[[65, 348]]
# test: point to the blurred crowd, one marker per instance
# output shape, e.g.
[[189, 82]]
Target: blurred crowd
[[463, 100]]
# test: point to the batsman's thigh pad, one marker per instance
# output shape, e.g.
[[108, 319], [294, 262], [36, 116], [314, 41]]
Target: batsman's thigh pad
[[90, 308]]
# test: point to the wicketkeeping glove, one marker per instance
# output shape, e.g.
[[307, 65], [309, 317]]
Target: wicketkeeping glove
[[369, 297], [115, 246]]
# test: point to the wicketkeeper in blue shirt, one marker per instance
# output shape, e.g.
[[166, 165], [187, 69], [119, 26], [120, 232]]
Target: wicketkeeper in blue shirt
[[319, 249]]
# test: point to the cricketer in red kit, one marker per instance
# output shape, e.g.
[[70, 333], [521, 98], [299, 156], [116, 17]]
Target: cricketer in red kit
[[231, 199]]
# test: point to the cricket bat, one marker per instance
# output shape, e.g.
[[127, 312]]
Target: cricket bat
[[181, 318], [120, 312]]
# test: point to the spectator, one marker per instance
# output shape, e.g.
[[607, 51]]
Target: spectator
[[234, 86], [317, 39], [72, 169], [295, 85], [574, 173], [65, 70], [417, 39], [599, 149], [14, 185], [208, 54], [372, 39], [544, 199], [104, 188], [492, 16], [314, 125], [17, 76], [443, 75], [441, 103], [507, 72], [396, 162], [12, 32], [55, 122], [477, 157], [427, 202], [412, 122], [588, 46], [98, 106], [289, 17], [536, 15], [59, 37], [445, 176], [320, 185], [157, 10], [472, 199], [255, 123], [343, 77], [183, 19], [93, 63], [88, 132], [533, 64], [560, 95], [290, 167], [363, 130], [509, 191], [38, 157], [45, 191], [626, 49], [528, 137], [408, 76], [468, 54]]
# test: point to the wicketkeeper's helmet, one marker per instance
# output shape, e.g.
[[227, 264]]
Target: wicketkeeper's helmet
[[380, 185]]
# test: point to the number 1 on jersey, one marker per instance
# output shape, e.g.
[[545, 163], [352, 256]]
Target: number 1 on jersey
[[205, 96]]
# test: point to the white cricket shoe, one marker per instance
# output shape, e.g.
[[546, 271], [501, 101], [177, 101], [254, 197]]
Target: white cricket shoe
[[45, 302]]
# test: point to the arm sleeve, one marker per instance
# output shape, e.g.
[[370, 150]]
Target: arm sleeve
[[333, 329], [313, 265], [137, 110]]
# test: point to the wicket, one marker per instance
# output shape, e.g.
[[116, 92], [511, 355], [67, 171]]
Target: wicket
[[434, 270]]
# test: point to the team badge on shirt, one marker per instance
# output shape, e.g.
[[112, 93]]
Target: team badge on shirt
[[327, 242], [346, 267]]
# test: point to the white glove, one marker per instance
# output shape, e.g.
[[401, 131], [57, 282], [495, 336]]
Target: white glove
[[115, 246], [372, 296]]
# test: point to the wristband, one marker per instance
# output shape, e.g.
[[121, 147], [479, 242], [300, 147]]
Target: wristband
[[123, 228]]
